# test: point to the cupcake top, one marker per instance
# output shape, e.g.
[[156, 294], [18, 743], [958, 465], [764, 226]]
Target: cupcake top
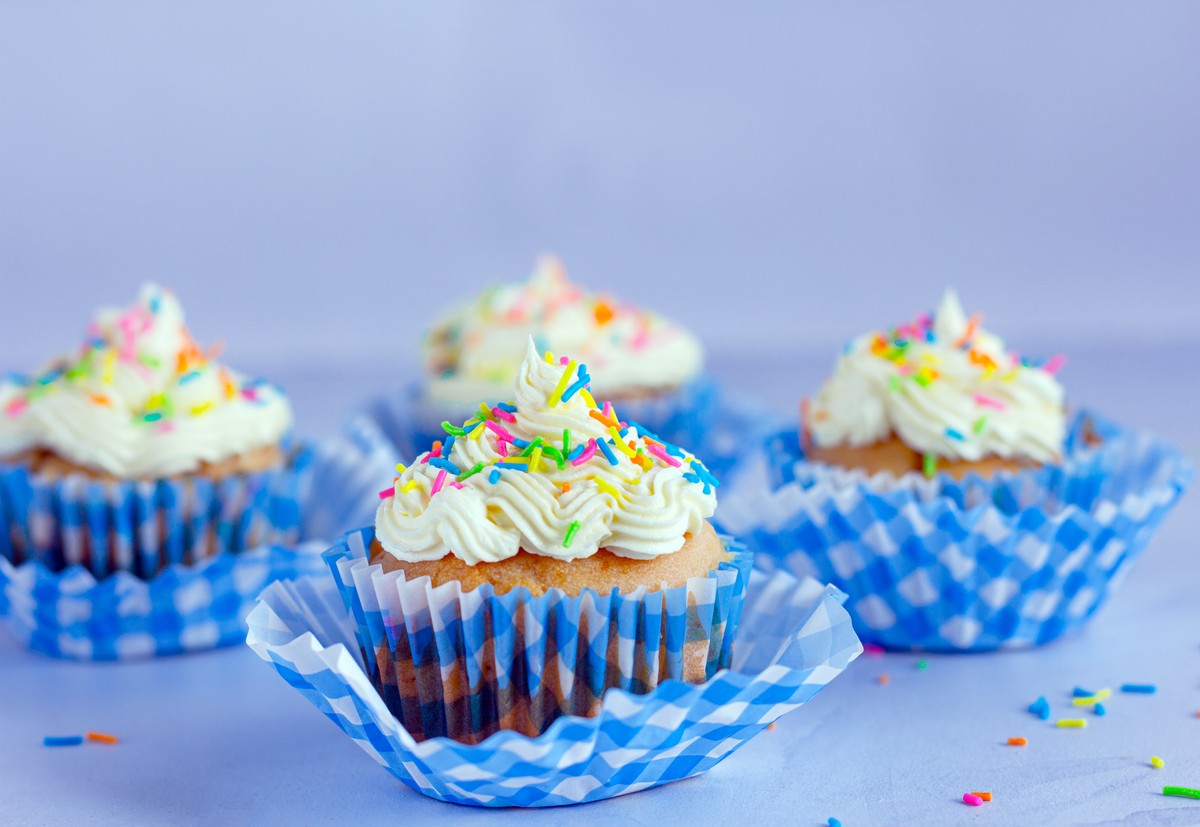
[[474, 353], [140, 399], [551, 473], [944, 386]]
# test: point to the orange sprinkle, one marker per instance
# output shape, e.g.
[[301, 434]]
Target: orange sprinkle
[[1017, 742], [770, 726], [984, 796], [884, 679], [600, 417], [99, 399], [566, 486], [102, 738], [968, 334], [604, 313]]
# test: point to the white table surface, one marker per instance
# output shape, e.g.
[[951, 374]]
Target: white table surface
[[219, 738]]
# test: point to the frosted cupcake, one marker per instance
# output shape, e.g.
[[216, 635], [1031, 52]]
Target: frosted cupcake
[[570, 548], [648, 364], [141, 449], [940, 394], [937, 480]]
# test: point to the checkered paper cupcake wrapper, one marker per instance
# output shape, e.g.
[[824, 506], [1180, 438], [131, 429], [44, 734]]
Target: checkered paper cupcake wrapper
[[141, 527], [413, 422], [794, 638], [975, 565], [186, 607], [465, 664]]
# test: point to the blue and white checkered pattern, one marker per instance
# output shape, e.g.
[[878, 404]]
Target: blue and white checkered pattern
[[192, 606], [456, 663], [975, 565], [795, 637], [700, 417]]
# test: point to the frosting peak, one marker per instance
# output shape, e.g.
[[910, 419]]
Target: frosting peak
[[552, 473], [475, 351], [945, 387], [141, 399]]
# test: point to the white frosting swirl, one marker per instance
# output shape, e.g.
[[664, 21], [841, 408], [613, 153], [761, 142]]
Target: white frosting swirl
[[140, 399], [637, 509], [475, 351], [945, 387]]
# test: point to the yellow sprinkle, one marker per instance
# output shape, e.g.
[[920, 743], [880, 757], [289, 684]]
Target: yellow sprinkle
[[409, 486], [621, 446], [156, 401], [1091, 700], [1072, 723], [1156, 762], [556, 397], [549, 358], [199, 409], [535, 459], [477, 431], [607, 488], [110, 361], [401, 467], [587, 397]]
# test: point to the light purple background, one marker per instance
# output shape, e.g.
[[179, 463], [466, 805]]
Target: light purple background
[[315, 178]]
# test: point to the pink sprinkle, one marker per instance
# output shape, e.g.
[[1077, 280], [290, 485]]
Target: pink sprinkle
[[658, 451], [588, 453], [972, 799], [988, 402], [250, 393], [16, 406], [503, 414], [608, 414], [872, 649], [456, 484], [500, 431], [387, 492], [564, 361], [502, 447], [906, 369], [436, 452], [438, 482], [639, 339], [165, 427], [1054, 364]]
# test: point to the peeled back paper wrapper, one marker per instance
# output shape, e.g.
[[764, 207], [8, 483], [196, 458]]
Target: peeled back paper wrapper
[[794, 637], [699, 417], [466, 664], [193, 602], [971, 565]]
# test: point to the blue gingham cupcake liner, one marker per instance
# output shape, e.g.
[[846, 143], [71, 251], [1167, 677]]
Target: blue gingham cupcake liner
[[190, 606], [699, 417], [959, 566], [794, 638], [466, 664], [144, 526]]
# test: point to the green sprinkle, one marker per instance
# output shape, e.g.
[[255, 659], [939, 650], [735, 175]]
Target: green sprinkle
[[148, 360], [922, 379], [566, 449], [551, 451], [453, 430], [979, 423], [922, 664], [1185, 792], [152, 417], [894, 383], [75, 372], [466, 474], [531, 447], [570, 533], [930, 466]]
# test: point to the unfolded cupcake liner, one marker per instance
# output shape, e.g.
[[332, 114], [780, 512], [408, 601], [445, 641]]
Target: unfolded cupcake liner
[[465, 664], [142, 527], [73, 613], [971, 565], [794, 638], [700, 417]]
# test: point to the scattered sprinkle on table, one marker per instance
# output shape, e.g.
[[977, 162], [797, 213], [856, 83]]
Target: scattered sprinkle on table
[[1081, 693], [972, 800], [922, 664], [101, 738], [833, 822], [884, 679], [1099, 710], [1040, 708], [1089, 700], [1072, 723], [983, 796], [62, 741], [1017, 742], [1156, 762], [873, 650], [1184, 792], [1139, 688]]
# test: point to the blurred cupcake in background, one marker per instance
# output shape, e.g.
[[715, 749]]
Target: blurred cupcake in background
[[938, 480], [649, 365]]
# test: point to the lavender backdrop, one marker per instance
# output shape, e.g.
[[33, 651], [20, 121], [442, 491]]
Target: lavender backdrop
[[314, 178]]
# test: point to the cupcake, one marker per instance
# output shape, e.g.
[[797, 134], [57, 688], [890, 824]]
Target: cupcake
[[542, 553], [650, 366], [938, 480], [140, 449], [939, 394]]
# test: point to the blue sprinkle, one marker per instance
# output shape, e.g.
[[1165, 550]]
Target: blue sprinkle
[[188, 377], [1100, 710], [575, 388], [575, 452], [833, 822], [446, 465], [494, 477], [953, 434], [448, 446], [1139, 688], [609, 455], [50, 376], [521, 443], [520, 466], [673, 449], [155, 303], [506, 407], [64, 741], [1081, 693], [18, 379], [1041, 708]]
